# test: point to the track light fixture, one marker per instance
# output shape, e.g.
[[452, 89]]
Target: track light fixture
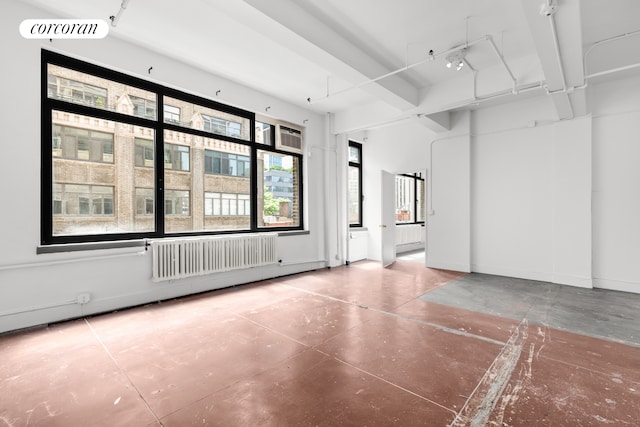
[[456, 58]]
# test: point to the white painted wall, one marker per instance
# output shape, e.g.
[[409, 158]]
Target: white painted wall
[[548, 200], [449, 198], [36, 289], [616, 184], [531, 184]]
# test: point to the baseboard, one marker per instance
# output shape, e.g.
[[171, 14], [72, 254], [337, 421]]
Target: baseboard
[[580, 282], [443, 265], [561, 279], [617, 285]]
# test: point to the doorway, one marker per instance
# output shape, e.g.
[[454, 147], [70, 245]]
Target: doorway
[[404, 217]]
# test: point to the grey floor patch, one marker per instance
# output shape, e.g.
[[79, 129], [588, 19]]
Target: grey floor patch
[[594, 312]]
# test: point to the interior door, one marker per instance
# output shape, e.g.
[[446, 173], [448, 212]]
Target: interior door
[[388, 225]]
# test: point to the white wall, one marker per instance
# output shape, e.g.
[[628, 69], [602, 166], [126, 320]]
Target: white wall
[[531, 181], [36, 289], [616, 184], [449, 198], [544, 199]]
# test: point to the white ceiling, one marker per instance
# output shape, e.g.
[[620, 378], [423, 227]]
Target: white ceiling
[[330, 50]]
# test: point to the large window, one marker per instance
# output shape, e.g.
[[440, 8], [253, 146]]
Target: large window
[[124, 158], [355, 184], [410, 203]]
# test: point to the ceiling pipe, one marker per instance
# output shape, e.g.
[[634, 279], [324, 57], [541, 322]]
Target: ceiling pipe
[[504, 63], [116, 18], [611, 71], [599, 43], [430, 57]]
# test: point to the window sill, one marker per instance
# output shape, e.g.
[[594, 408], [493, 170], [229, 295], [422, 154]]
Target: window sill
[[90, 246], [293, 233]]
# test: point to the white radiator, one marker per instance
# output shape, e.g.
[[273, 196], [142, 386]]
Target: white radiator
[[410, 233], [176, 259]]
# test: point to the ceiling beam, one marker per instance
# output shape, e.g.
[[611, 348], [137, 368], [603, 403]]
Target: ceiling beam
[[558, 40], [437, 122], [337, 54]]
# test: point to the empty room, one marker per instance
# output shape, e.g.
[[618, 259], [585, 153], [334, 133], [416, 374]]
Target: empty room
[[320, 213]]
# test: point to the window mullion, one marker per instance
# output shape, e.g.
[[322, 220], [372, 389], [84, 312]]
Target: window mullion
[[159, 168]]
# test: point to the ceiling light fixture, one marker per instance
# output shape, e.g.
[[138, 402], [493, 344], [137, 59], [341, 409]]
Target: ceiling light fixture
[[456, 58]]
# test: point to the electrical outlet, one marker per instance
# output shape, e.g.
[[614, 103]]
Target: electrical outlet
[[83, 298]]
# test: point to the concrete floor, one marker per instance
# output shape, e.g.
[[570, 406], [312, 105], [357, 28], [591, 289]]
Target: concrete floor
[[357, 345]]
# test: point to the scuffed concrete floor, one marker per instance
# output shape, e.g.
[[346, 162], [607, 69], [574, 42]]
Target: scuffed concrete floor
[[354, 345]]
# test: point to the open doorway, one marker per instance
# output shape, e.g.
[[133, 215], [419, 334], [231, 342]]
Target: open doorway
[[411, 216]]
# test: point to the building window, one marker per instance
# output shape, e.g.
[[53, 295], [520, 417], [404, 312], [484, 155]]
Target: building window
[[143, 107], [221, 126], [176, 202], [82, 144], [171, 114], [410, 203], [176, 157], [355, 184], [143, 152], [216, 162], [113, 169], [225, 204], [82, 200], [76, 92], [145, 201]]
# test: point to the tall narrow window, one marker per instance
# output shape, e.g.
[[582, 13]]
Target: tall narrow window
[[410, 204], [355, 184]]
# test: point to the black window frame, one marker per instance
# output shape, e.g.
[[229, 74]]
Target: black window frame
[[416, 178], [159, 126], [358, 165]]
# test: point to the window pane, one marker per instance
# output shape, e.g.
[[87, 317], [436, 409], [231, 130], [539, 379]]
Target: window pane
[[91, 159], [354, 195], [405, 199], [80, 88], [196, 116], [213, 190], [354, 154], [264, 132], [278, 205]]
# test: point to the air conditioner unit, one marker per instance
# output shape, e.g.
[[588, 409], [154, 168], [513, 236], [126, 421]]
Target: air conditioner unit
[[288, 139]]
